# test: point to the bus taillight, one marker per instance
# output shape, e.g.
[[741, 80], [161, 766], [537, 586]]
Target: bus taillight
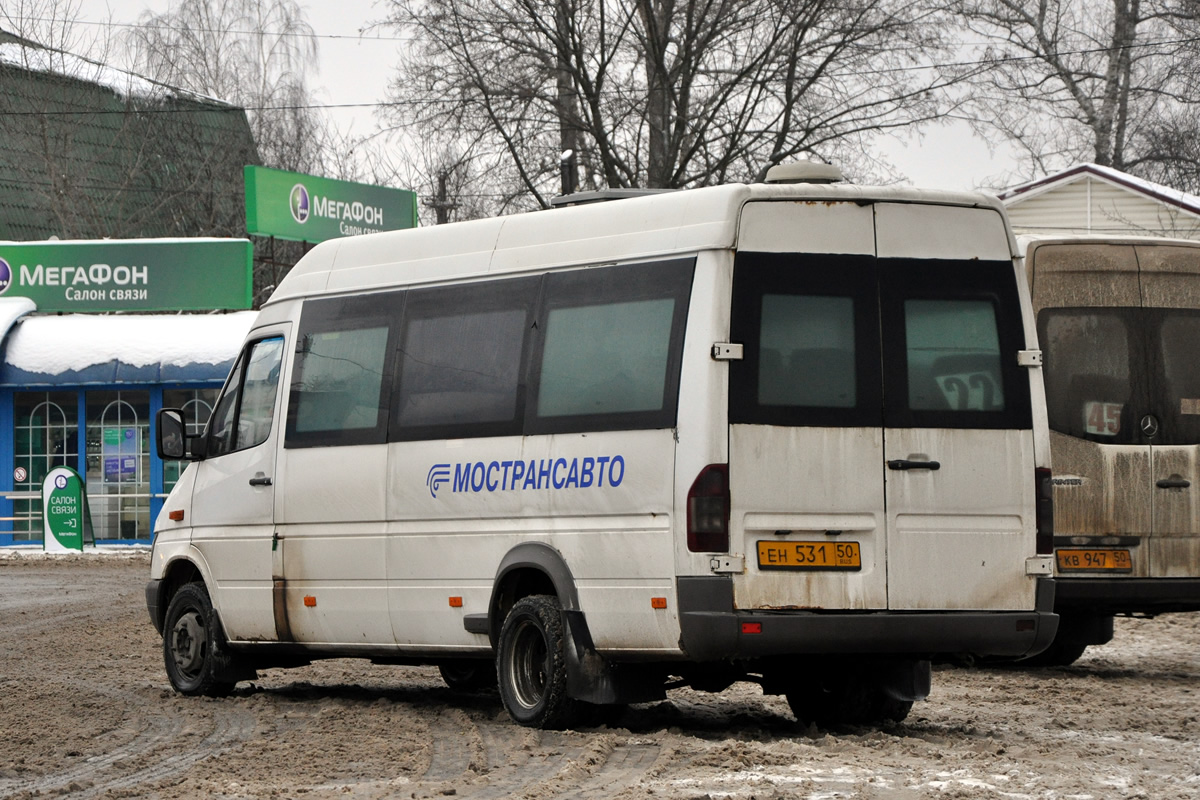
[[708, 511], [1044, 491]]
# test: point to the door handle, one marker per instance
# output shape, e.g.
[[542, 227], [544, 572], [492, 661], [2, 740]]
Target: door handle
[[904, 463], [260, 480], [1173, 483]]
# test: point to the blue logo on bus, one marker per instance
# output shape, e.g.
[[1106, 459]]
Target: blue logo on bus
[[438, 474], [536, 474], [6, 276]]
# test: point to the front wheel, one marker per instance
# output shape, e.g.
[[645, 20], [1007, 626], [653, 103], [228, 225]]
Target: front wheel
[[192, 644], [532, 664]]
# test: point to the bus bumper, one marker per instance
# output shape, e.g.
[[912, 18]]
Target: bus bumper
[[1114, 595], [711, 629]]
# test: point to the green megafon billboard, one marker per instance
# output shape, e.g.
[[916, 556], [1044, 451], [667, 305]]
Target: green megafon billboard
[[307, 208], [129, 274]]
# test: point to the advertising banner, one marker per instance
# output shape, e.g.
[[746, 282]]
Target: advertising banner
[[120, 451], [64, 511], [308, 208], [129, 274]]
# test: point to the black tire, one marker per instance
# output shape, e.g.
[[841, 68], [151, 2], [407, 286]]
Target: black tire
[[469, 674], [532, 664], [1060, 653], [846, 702], [193, 645]]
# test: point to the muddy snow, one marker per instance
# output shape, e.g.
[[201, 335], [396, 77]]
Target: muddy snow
[[86, 712]]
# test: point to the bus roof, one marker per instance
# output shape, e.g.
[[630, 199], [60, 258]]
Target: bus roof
[[671, 223]]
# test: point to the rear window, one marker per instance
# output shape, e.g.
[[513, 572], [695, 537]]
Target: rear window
[[849, 340], [953, 352], [802, 336], [1108, 368]]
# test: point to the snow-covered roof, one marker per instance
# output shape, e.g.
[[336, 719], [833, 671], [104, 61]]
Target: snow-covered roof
[[1156, 191], [38, 58], [79, 349]]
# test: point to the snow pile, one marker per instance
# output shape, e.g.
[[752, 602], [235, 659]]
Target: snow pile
[[52, 345]]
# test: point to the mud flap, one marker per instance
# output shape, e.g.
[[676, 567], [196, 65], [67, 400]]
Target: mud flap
[[592, 679], [906, 680], [228, 668]]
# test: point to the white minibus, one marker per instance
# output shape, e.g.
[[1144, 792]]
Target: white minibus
[[1119, 318], [791, 432]]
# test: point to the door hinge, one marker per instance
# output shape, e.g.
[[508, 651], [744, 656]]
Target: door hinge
[[728, 565], [1039, 565], [726, 351], [1029, 358]]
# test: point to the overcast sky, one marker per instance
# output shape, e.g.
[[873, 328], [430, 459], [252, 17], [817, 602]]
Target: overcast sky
[[355, 69]]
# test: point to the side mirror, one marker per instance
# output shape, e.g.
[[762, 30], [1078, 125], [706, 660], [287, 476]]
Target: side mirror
[[172, 434]]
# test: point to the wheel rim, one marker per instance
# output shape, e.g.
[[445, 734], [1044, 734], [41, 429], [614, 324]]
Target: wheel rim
[[529, 664], [189, 644]]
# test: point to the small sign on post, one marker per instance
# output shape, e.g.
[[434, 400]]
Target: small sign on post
[[64, 511]]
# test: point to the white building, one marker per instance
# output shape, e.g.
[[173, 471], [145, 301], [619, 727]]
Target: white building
[[1089, 198]]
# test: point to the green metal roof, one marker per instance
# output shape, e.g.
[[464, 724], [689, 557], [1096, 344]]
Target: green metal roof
[[88, 151]]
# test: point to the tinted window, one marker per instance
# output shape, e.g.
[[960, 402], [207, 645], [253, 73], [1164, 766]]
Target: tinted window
[[953, 354], [245, 413], [341, 378], [1089, 386], [342, 373], [1107, 368], [809, 329], [804, 337], [951, 334], [610, 348], [1180, 391], [606, 359], [840, 340], [461, 370]]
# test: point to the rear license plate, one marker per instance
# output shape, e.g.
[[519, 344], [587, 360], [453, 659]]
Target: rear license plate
[[1094, 560], [809, 555]]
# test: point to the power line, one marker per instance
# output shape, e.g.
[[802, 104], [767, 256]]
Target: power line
[[434, 100], [359, 37]]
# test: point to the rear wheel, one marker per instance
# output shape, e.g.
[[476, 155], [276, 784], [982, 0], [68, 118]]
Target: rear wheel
[[193, 645], [858, 695], [1076, 632], [468, 675], [846, 705], [532, 664], [1060, 653]]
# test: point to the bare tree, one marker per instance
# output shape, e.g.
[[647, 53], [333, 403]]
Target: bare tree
[[253, 53], [54, 24], [659, 93], [1081, 80]]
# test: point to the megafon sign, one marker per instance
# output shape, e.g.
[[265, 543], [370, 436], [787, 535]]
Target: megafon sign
[[307, 208], [129, 274]]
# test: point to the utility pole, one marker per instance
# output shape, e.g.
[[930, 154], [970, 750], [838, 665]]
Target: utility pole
[[441, 205]]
